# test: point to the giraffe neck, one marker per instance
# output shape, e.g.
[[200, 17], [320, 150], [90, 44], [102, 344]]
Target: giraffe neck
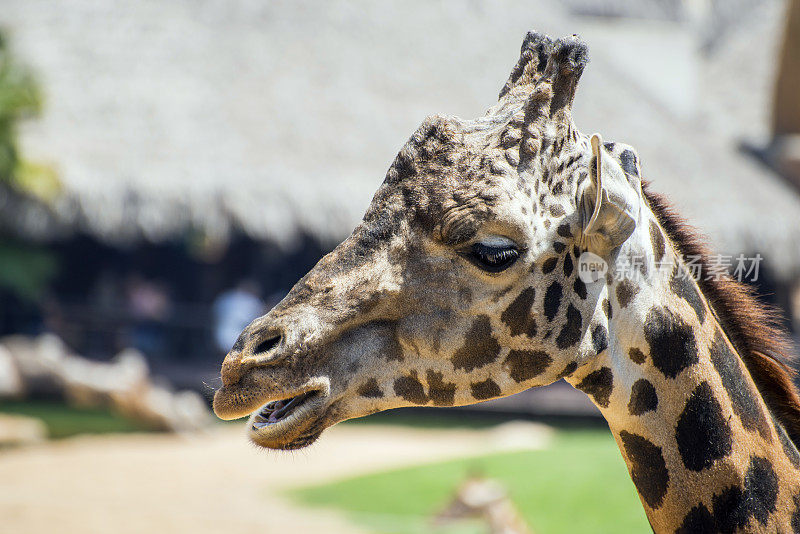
[[699, 442], [503, 518]]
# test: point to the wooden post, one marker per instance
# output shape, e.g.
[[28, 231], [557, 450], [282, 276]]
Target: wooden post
[[786, 105], [783, 152]]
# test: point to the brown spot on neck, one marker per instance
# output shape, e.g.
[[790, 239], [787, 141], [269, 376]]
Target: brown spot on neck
[[626, 291], [636, 355], [657, 240], [598, 384]]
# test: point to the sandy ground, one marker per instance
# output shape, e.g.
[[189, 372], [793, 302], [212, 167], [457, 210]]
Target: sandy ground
[[211, 483]]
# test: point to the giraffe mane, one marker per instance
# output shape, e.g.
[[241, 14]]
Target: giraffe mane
[[754, 328]]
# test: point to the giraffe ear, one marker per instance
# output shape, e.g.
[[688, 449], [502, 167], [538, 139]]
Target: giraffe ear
[[609, 204]]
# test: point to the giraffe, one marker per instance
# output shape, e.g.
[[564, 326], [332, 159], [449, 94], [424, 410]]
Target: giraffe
[[461, 284], [486, 499]]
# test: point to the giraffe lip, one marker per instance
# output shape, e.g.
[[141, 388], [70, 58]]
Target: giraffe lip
[[286, 423]]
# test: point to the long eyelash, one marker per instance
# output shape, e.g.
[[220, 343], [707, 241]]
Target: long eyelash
[[494, 255], [493, 259]]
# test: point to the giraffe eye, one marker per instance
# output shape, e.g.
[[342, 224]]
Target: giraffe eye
[[493, 257]]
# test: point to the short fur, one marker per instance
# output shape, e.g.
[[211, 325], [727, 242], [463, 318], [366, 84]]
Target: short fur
[[754, 328]]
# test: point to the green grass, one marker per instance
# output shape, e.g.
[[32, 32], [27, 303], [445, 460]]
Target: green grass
[[578, 484], [63, 421]]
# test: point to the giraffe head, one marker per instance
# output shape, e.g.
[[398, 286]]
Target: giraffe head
[[461, 282]]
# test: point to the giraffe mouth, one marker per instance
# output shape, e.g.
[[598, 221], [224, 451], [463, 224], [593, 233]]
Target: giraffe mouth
[[289, 423], [275, 411]]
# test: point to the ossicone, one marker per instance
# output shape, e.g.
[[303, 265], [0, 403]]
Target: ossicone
[[543, 60]]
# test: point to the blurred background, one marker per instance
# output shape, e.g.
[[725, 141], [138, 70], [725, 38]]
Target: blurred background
[[170, 168]]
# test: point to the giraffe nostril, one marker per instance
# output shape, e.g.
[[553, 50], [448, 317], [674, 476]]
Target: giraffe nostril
[[267, 345]]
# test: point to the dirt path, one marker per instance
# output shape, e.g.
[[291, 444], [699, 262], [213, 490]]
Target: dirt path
[[204, 484]]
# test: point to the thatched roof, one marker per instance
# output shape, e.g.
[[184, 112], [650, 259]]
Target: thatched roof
[[278, 118]]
